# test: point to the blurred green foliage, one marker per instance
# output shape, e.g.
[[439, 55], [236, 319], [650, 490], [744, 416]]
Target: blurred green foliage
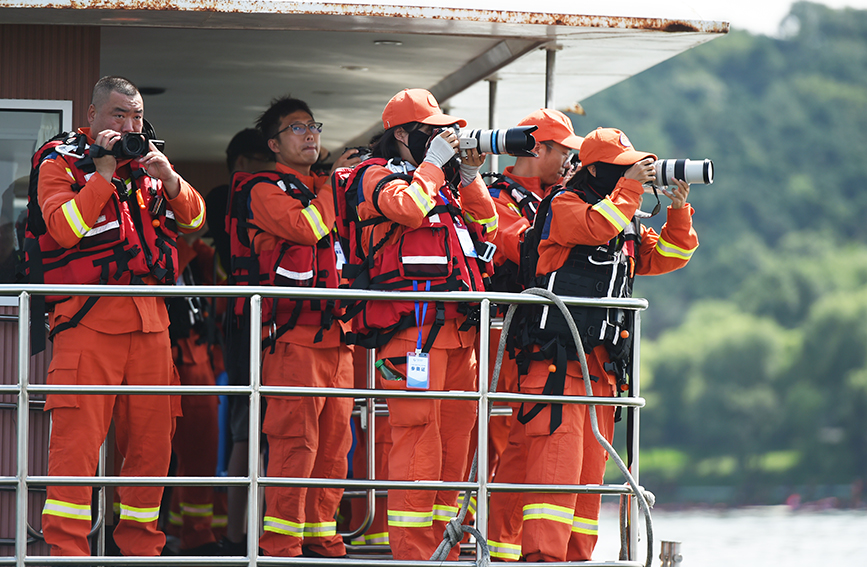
[[754, 357]]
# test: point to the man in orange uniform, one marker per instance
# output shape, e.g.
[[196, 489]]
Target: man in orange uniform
[[307, 436], [517, 194], [423, 237], [591, 245], [117, 340]]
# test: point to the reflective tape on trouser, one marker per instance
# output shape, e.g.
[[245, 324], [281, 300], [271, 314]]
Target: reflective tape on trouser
[[283, 527], [587, 526], [219, 521], [444, 513], [504, 550], [67, 510], [175, 518], [322, 529], [142, 515], [371, 539], [542, 511], [406, 519], [472, 507], [197, 510]]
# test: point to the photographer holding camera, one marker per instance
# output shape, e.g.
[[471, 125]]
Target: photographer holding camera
[[586, 241], [424, 219], [109, 220]]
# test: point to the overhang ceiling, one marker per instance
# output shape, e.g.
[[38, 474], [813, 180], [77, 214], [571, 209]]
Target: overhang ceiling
[[221, 62]]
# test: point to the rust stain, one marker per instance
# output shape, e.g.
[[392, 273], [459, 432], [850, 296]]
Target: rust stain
[[431, 13]]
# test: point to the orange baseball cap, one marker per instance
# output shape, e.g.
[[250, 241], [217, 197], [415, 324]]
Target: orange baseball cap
[[610, 145], [416, 105], [553, 126]]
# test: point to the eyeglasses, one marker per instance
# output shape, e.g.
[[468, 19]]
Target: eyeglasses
[[552, 147], [301, 129]]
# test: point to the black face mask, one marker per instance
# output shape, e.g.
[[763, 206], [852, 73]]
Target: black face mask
[[417, 145], [607, 176]]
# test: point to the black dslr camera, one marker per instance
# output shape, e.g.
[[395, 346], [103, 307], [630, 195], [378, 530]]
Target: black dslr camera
[[131, 145]]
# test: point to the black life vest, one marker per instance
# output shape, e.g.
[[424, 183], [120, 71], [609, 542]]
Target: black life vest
[[135, 235], [288, 264], [430, 257]]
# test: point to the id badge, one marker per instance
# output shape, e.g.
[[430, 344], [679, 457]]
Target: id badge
[[417, 370], [338, 252], [466, 242]]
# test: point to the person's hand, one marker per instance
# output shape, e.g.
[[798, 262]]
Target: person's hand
[[106, 164], [471, 161], [157, 165], [678, 193], [641, 171], [349, 158], [442, 148]]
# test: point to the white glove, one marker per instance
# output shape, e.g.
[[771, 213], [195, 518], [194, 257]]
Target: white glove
[[468, 173], [439, 152]]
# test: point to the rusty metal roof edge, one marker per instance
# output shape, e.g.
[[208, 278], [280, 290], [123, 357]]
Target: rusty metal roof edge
[[432, 13]]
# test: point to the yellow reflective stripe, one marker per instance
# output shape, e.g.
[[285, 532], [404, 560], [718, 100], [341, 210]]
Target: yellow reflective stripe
[[444, 513], [142, 515], [607, 209], [406, 519], [67, 510], [284, 527], [422, 200], [587, 526], [311, 213], [514, 207], [323, 529], [551, 512], [670, 250], [471, 507], [69, 172], [200, 510], [116, 507], [199, 220], [175, 519], [220, 521], [73, 217], [504, 550], [376, 539], [489, 224]]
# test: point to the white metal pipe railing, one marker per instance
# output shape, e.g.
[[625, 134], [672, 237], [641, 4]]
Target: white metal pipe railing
[[255, 390]]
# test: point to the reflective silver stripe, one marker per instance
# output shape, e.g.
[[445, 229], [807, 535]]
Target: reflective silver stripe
[[284, 527], [424, 259], [142, 515], [200, 510], [377, 539], [175, 519], [219, 521], [323, 529], [670, 250], [608, 210], [548, 512], [444, 513], [311, 213], [300, 276], [67, 510], [544, 320], [504, 550], [199, 220], [585, 525], [405, 519], [102, 228], [489, 224], [422, 200], [73, 217]]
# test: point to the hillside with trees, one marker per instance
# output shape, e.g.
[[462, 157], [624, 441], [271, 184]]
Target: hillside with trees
[[754, 358]]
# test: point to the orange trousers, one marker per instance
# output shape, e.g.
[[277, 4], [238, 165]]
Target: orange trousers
[[144, 425], [195, 444], [308, 437], [430, 442], [377, 532], [565, 527]]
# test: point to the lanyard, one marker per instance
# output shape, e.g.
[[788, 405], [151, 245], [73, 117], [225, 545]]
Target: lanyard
[[418, 323]]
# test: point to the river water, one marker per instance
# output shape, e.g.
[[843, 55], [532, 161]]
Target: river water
[[749, 537]]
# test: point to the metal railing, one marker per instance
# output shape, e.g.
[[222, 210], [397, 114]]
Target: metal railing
[[23, 480]]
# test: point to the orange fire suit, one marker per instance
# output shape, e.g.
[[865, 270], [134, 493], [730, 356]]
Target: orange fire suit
[[430, 437], [377, 532], [121, 340], [564, 527], [197, 432], [307, 436], [507, 433]]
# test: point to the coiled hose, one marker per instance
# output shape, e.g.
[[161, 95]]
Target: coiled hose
[[455, 528]]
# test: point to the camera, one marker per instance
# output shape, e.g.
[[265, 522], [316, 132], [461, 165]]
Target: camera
[[517, 141], [131, 145], [691, 171]]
